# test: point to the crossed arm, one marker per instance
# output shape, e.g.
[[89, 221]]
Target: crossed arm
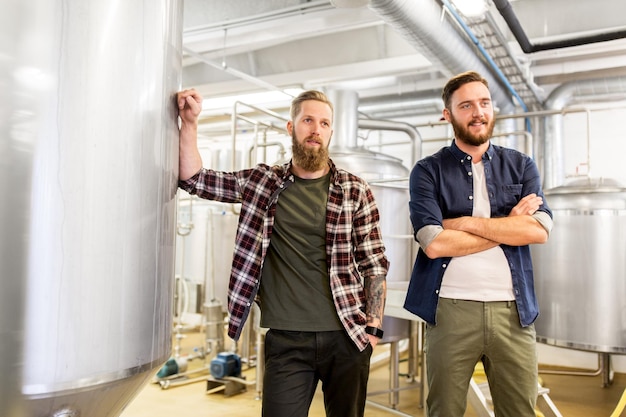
[[466, 235]]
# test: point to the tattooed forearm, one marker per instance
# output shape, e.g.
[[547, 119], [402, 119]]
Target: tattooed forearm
[[375, 294]]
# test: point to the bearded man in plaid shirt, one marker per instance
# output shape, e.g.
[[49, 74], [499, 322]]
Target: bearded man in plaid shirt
[[308, 249]]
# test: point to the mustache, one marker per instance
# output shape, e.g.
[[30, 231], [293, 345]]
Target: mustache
[[313, 139]]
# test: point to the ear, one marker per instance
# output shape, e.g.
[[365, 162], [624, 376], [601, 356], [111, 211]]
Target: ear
[[446, 114], [290, 127]]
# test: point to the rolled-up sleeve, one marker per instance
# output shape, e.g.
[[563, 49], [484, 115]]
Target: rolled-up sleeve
[[544, 220]]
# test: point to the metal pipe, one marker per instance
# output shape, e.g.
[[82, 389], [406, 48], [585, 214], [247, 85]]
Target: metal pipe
[[507, 12], [235, 116], [558, 101], [528, 142], [410, 130], [345, 103], [280, 146]]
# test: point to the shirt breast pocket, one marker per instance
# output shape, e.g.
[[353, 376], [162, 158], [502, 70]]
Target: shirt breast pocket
[[512, 194]]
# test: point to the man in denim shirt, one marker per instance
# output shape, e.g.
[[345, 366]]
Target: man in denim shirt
[[475, 209]]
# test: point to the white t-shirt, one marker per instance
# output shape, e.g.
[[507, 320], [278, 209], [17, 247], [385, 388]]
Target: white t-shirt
[[482, 276]]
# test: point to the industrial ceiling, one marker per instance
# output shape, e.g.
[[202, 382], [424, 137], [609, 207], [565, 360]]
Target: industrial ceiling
[[398, 53]]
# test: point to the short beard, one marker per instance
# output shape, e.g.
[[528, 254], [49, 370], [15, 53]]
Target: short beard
[[463, 133], [309, 159]]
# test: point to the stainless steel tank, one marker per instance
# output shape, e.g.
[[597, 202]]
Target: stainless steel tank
[[388, 180], [204, 245], [580, 273], [91, 162], [22, 85], [392, 200]]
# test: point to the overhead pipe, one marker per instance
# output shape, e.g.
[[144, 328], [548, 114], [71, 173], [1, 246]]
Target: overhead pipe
[[507, 12], [420, 23], [559, 99]]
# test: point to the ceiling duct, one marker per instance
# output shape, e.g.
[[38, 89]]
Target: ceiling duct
[[420, 22]]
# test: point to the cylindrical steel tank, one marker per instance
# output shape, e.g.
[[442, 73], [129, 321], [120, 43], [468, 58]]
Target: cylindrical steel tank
[[388, 181], [204, 245], [24, 81], [392, 200], [580, 273], [89, 168]]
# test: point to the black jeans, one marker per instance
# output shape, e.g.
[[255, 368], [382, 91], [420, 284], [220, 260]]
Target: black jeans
[[296, 361]]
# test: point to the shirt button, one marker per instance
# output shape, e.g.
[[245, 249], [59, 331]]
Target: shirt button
[[471, 197], [469, 173], [444, 265]]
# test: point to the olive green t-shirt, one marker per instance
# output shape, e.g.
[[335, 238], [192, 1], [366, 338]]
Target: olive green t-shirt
[[295, 289]]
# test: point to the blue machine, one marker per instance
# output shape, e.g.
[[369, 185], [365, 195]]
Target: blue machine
[[225, 364]]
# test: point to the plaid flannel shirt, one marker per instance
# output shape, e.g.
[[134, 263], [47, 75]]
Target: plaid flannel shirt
[[354, 246]]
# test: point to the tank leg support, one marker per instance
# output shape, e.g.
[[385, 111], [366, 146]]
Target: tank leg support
[[604, 360]]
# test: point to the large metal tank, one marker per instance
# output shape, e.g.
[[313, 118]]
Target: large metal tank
[[388, 180], [91, 162], [392, 199], [580, 273]]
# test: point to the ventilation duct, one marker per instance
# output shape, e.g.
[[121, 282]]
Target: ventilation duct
[[420, 23]]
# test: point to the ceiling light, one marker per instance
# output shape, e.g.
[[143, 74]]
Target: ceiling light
[[471, 8], [262, 99]]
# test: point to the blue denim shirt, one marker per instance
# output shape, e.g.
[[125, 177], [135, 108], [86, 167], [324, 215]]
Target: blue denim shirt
[[441, 187]]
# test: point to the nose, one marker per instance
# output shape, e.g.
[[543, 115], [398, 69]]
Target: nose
[[316, 128]]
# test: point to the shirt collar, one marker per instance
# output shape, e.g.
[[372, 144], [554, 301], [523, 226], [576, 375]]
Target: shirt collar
[[462, 156], [333, 170]]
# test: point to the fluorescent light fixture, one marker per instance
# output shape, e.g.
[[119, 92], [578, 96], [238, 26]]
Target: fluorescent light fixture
[[470, 8], [211, 105]]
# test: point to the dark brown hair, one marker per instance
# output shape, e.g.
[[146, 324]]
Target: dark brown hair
[[296, 104], [457, 81]]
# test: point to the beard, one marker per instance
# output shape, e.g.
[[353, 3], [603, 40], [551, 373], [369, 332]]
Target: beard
[[309, 159], [465, 135]]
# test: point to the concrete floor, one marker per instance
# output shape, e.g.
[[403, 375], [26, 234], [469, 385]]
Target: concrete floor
[[574, 396]]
